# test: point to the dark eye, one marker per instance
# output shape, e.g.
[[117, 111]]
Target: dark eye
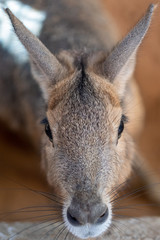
[[48, 132], [47, 129], [120, 129]]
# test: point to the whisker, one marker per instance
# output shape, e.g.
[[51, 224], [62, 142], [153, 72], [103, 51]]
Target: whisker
[[73, 237], [134, 206], [128, 194], [51, 194], [132, 197], [135, 218], [61, 231], [121, 216], [66, 235], [35, 217], [124, 208], [120, 187], [58, 220], [139, 205], [118, 227], [113, 227], [27, 211], [44, 194], [22, 210], [51, 230], [29, 227], [29, 189], [116, 188]]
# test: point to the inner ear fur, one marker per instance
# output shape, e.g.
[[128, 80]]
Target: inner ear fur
[[119, 65], [45, 66]]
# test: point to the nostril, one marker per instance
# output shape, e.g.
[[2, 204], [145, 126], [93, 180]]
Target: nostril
[[72, 219], [103, 217]]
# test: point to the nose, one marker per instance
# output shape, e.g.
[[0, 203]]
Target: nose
[[95, 214]]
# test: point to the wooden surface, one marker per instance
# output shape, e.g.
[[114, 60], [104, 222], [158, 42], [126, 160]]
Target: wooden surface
[[20, 162]]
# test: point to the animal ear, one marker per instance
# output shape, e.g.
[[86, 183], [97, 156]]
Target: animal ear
[[120, 64], [45, 66]]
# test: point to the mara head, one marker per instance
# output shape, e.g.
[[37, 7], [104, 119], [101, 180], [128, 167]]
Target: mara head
[[86, 148]]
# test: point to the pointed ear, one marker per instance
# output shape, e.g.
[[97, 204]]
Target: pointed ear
[[45, 65], [120, 64]]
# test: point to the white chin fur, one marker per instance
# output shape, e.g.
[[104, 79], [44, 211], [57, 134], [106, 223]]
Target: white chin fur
[[88, 230]]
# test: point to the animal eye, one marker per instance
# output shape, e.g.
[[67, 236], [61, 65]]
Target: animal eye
[[120, 129], [48, 132], [47, 129]]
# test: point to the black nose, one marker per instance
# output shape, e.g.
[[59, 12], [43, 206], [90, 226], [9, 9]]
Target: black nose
[[96, 214]]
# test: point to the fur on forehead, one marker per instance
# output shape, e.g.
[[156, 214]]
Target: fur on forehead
[[81, 71], [96, 88]]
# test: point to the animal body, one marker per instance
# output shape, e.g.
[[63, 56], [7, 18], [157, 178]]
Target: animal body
[[86, 80]]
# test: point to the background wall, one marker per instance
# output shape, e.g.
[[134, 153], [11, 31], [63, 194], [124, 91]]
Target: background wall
[[20, 162]]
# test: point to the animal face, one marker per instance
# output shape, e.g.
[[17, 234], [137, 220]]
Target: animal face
[[85, 155], [87, 151]]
